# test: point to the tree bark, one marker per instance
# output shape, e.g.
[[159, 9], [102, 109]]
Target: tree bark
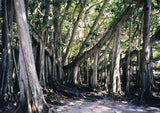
[[5, 41], [9, 82], [41, 61], [75, 75], [146, 58], [94, 82], [116, 83], [34, 95], [128, 59], [57, 42], [139, 66]]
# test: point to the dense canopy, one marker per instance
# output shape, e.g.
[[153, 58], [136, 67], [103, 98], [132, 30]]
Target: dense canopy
[[70, 46]]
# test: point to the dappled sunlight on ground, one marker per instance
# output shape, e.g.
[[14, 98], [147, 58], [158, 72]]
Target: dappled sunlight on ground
[[103, 106]]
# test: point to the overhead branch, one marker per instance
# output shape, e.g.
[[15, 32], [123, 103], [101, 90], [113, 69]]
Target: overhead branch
[[74, 31], [86, 12], [65, 14], [125, 15], [93, 26]]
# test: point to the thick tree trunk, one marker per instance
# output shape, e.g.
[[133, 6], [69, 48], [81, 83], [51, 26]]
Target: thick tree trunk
[[124, 77], [9, 82], [106, 74], [146, 59], [24, 99], [80, 77], [128, 59], [5, 41], [94, 81], [116, 83], [50, 78], [75, 75], [33, 92], [41, 62], [12, 60], [57, 42], [139, 77]]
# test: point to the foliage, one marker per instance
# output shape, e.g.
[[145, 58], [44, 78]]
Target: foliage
[[56, 35]]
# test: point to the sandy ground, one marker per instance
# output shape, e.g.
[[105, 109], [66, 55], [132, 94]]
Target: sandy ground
[[103, 106]]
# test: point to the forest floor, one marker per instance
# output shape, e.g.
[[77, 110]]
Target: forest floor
[[96, 102], [100, 102], [103, 106]]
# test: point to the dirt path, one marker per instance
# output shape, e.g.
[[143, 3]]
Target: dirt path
[[103, 106]]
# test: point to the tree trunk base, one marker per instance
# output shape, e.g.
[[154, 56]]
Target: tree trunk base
[[23, 108]]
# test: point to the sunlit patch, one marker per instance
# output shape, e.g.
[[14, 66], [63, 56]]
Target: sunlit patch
[[102, 106], [24, 17]]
